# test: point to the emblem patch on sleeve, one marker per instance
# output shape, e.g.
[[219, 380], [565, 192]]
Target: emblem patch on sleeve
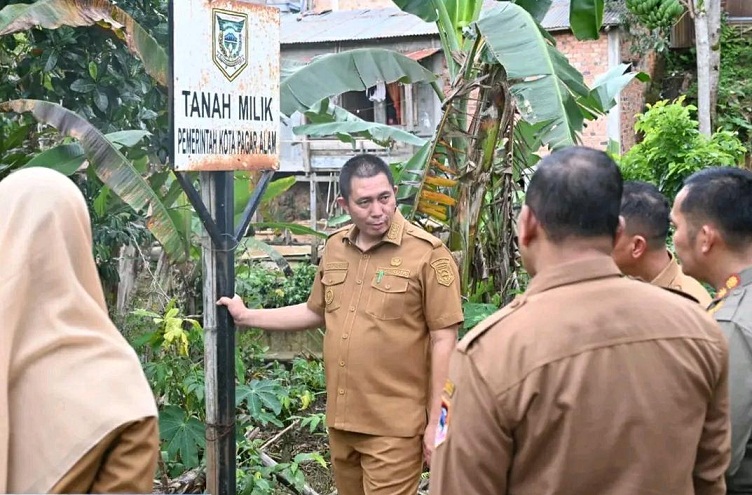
[[443, 427], [329, 296], [443, 269]]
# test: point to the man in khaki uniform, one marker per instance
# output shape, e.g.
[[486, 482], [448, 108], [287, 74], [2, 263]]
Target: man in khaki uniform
[[713, 218], [640, 250], [589, 382], [388, 293]]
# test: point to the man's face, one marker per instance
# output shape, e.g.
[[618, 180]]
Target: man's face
[[371, 205], [685, 239]]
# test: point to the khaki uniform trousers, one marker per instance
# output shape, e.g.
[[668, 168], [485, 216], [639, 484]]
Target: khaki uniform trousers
[[124, 461], [375, 465]]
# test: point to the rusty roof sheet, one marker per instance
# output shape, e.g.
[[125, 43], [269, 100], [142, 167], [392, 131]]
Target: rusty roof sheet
[[345, 25], [369, 24]]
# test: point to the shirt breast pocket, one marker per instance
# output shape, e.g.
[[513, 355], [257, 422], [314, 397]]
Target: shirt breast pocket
[[387, 297], [333, 282]]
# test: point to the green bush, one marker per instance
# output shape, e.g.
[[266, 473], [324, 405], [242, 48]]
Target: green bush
[[734, 110], [268, 288], [673, 148]]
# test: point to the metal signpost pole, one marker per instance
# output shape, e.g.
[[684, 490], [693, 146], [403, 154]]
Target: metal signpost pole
[[224, 116]]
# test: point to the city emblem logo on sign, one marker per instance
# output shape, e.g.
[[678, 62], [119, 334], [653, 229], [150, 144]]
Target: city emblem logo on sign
[[230, 40]]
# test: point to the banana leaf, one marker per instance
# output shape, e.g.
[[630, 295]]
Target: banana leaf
[[542, 82], [112, 168], [352, 70], [51, 14], [586, 18], [381, 134]]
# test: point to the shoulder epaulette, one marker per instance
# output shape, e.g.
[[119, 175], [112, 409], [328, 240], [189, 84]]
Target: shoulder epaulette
[[339, 230], [489, 322], [422, 234]]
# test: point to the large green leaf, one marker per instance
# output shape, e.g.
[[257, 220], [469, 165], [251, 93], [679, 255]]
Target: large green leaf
[[259, 394], [607, 86], [382, 134], [352, 70], [422, 8], [184, 435], [69, 157], [346, 125], [541, 91], [51, 14], [111, 167], [586, 18], [536, 8], [66, 158]]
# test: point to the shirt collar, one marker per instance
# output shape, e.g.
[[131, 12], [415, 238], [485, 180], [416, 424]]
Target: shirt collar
[[668, 274], [392, 236], [572, 273]]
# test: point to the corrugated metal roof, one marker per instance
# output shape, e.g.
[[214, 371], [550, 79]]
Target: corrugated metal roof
[[345, 25], [369, 24], [557, 17]]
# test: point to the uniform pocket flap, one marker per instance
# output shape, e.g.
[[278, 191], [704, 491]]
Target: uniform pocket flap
[[390, 283], [335, 277]]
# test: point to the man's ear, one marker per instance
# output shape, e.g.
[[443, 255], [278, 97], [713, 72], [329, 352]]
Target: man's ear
[[342, 204], [527, 226], [708, 236], [639, 246]]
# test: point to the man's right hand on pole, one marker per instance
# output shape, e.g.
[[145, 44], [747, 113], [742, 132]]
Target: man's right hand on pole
[[237, 309]]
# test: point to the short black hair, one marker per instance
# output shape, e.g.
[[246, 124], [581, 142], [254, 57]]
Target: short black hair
[[646, 212], [723, 197], [362, 166], [576, 192]]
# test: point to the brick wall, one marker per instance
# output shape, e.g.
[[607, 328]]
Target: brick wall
[[591, 59], [633, 96]]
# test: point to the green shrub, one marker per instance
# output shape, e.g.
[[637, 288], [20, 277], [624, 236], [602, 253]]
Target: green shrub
[[673, 148]]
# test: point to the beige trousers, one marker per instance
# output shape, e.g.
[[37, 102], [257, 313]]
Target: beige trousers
[[374, 465]]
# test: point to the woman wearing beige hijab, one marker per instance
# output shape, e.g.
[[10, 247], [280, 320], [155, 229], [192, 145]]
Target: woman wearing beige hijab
[[76, 412]]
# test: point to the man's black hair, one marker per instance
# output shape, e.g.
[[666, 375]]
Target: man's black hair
[[721, 196], [362, 166], [646, 212], [576, 192]]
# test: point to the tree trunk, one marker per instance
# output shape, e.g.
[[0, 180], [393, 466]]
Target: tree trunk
[[713, 8], [702, 42]]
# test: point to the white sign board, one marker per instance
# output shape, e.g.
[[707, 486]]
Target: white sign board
[[224, 102]]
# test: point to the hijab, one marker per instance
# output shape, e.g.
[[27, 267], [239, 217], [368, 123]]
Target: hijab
[[67, 375]]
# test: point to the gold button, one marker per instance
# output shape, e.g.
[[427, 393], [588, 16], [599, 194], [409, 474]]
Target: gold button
[[365, 256], [341, 363], [358, 282], [344, 335], [388, 286], [352, 308], [341, 392]]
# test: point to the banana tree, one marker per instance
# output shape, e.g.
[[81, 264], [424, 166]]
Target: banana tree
[[524, 95]]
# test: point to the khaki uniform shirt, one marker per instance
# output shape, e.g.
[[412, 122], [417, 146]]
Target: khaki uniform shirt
[[588, 383], [672, 277], [379, 307], [733, 312]]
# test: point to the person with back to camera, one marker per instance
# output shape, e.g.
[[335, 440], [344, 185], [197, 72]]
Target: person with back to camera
[[589, 383], [76, 412]]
